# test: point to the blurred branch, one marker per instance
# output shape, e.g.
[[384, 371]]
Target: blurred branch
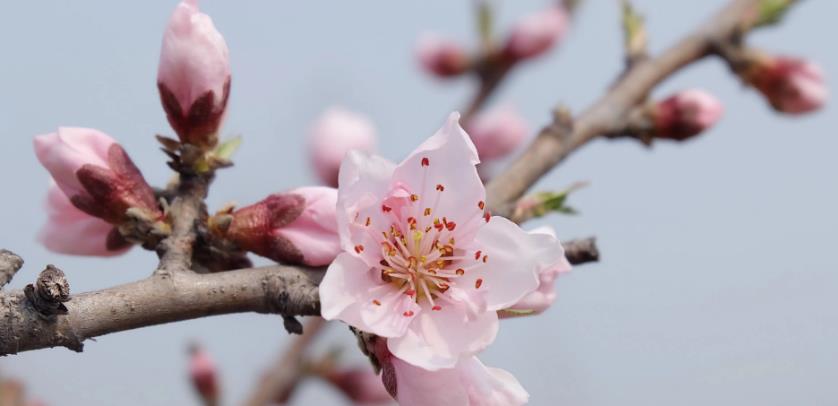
[[280, 380], [610, 113]]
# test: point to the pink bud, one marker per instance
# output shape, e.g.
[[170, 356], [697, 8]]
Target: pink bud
[[194, 75], [497, 133], [360, 385], [95, 173], [295, 227], [70, 231], [334, 133], [535, 34], [791, 85], [442, 57], [686, 114], [204, 375]]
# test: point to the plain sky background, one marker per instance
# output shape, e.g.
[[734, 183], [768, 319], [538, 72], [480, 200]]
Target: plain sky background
[[718, 278]]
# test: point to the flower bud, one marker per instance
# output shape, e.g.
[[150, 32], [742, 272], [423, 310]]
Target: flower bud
[[685, 114], [535, 34], [194, 75], [442, 57], [95, 173], [791, 85], [334, 133], [70, 231], [497, 133], [360, 385], [204, 375], [544, 295], [296, 227]]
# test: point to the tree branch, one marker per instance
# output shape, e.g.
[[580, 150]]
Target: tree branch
[[186, 209], [10, 263], [164, 298], [609, 114], [156, 300]]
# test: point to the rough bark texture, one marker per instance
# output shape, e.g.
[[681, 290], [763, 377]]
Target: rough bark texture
[[156, 300]]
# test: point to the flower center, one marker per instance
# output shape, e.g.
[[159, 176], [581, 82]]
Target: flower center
[[419, 252]]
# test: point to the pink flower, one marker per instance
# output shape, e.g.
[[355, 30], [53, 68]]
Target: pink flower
[[468, 383], [334, 133], [194, 75], [294, 227], [542, 297], [70, 231], [537, 33], [686, 114], [360, 385], [95, 173], [791, 85], [203, 374], [497, 133], [424, 264], [442, 57]]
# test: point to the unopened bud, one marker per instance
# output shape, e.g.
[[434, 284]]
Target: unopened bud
[[685, 114], [204, 375], [194, 75], [69, 230], [442, 57], [95, 173], [334, 133], [497, 133], [791, 85], [537, 33], [297, 227]]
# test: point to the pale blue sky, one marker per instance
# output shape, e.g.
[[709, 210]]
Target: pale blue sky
[[718, 279]]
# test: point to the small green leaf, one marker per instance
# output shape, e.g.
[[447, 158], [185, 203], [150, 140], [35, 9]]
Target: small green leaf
[[772, 11], [227, 148]]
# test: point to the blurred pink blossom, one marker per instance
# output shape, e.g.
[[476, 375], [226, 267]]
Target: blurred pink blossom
[[333, 134], [194, 75], [442, 57], [537, 33], [424, 264], [204, 375], [791, 85], [498, 132], [360, 385], [686, 114]]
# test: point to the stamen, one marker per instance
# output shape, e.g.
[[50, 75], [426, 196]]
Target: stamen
[[481, 205], [478, 283], [359, 248], [408, 313], [477, 254], [425, 161], [440, 188], [376, 302], [414, 197]]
